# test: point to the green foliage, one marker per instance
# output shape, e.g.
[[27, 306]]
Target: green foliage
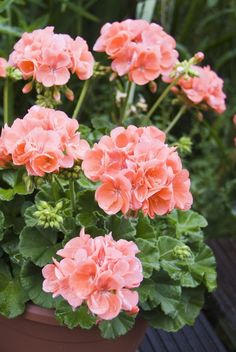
[[31, 280], [79, 317], [111, 329]]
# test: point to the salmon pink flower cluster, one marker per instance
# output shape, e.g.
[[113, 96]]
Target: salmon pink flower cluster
[[137, 171], [142, 50], [44, 141], [3, 67], [49, 58], [208, 88], [100, 272]]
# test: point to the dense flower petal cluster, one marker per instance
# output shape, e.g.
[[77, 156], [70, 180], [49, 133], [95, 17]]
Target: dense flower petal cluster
[[44, 141], [208, 88], [3, 67], [49, 58], [142, 50], [137, 170], [98, 271]]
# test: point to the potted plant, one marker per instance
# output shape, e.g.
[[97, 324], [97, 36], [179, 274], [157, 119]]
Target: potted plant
[[97, 234]]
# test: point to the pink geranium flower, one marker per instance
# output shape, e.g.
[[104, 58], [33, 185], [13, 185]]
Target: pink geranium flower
[[50, 58], [3, 67], [100, 272], [137, 171], [45, 140], [207, 88], [142, 50]]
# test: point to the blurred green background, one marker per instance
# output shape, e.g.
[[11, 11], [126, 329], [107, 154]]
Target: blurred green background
[[197, 25]]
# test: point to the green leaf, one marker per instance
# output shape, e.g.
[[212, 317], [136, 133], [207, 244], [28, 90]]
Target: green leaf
[[176, 268], [85, 183], [204, 268], [2, 221], [144, 229], [188, 309], [148, 255], [111, 329], [163, 291], [187, 223], [6, 194], [29, 217], [85, 219], [32, 281], [79, 317], [81, 11], [12, 295], [86, 201], [16, 179], [39, 245], [120, 227]]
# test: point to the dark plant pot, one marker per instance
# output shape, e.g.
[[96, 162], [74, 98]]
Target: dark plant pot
[[37, 331]]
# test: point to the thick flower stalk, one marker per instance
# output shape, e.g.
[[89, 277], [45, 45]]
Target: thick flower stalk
[[99, 272], [137, 171], [44, 141]]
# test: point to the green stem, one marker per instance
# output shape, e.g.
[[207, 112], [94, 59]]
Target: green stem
[[81, 99], [162, 97], [72, 196], [126, 103], [176, 118], [6, 102], [59, 183]]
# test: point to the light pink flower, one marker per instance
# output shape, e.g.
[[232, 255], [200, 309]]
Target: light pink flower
[[142, 50], [50, 58], [3, 67], [137, 171], [207, 88], [45, 140], [100, 272]]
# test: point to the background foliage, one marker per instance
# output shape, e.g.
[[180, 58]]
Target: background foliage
[[197, 25]]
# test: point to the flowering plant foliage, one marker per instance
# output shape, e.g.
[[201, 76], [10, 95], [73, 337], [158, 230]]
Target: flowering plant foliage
[[95, 223]]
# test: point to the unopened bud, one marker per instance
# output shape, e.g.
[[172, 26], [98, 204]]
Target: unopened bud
[[69, 94], [27, 87], [199, 57], [182, 252], [57, 95], [152, 87]]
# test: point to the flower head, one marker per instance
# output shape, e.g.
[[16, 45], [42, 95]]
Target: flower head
[[44, 141], [50, 58], [137, 48], [100, 272], [137, 171]]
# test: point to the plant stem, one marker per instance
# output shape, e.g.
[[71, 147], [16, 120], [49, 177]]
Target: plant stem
[[81, 98], [162, 97], [59, 183], [176, 118], [72, 196], [6, 102], [126, 103]]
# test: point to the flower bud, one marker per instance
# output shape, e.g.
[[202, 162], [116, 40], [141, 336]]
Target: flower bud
[[27, 87], [152, 87], [182, 252], [199, 57], [69, 94]]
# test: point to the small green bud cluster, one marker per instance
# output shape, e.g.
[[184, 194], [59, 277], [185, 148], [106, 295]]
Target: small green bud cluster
[[48, 215], [47, 97], [14, 73], [182, 252], [184, 144], [185, 68], [72, 173]]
